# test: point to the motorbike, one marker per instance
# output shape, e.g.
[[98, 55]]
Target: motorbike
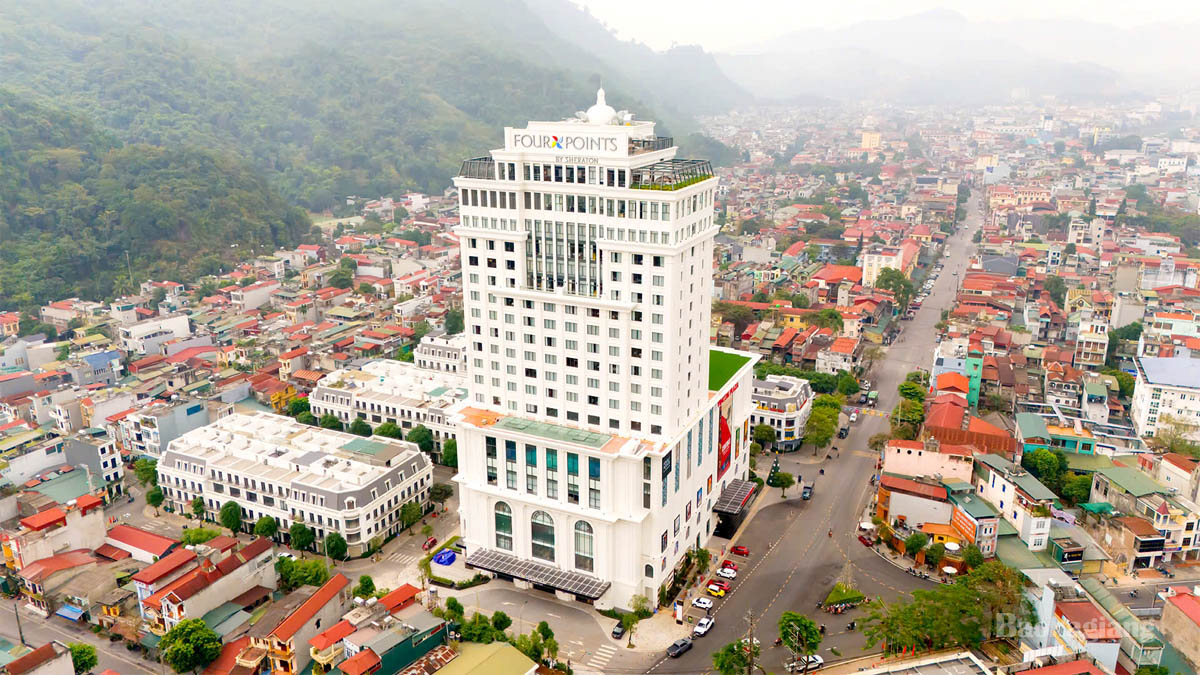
[[822, 472], [850, 626]]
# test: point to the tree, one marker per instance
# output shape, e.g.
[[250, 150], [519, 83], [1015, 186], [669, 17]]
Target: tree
[[198, 507], [890, 279], [454, 322], [739, 315], [146, 471], [972, 556], [1125, 381], [1069, 249], [934, 554], [389, 430], [190, 646], [907, 418], [199, 535], [1142, 670], [784, 480], [450, 453], [422, 436], [826, 318], [329, 421], [1056, 288], [915, 542], [764, 434], [298, 405], [296, 573], [366, 289], [365, 587], [500, 620], [427, 531], [83, 657], [734, 658], [1175, 435], [359, 427], [341, 278], [410, 513], [877, 441], [230, 516], [420, 330], [301, 536], [872, 354], [543, 629], [911, 391], [847, 384], [155, 498], [820, 427], [440, 492], [335, 546], [999, 589], [307, 418], [799, 634], [454, 608], [266, 526], [1077, 489]]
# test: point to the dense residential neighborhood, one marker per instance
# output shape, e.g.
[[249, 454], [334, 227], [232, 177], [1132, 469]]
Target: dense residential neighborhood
[[610, 403]]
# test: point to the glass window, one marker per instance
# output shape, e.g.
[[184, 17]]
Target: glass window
[[503, 526], [584, 559], [542, 536]]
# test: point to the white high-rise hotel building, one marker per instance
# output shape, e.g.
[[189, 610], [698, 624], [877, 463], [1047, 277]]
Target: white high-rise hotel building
[[601, 430]]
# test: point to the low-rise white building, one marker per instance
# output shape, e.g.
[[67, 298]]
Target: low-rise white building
[[1167, 390], [391, 391], [144, 337], [1019, 497], [783, 403], [274, 466], [442, 352]]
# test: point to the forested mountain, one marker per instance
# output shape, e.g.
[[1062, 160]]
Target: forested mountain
[[365, 97], [74, 201]]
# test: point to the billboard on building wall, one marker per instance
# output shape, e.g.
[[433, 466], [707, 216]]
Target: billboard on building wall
[[725, 437]]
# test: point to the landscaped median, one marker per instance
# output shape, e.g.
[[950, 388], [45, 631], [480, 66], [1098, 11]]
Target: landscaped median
[[426, 567]]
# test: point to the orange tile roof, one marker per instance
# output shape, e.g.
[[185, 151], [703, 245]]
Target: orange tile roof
[[164, 566], [333, 635], [365, 661], [953, 381], [154, 544], [306, 611], [399, 596], [44, 519]]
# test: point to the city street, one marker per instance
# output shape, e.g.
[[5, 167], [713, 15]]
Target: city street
[[792, 566], [39, 631]]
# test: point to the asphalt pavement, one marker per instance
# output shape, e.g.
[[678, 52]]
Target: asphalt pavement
[[793, 562]]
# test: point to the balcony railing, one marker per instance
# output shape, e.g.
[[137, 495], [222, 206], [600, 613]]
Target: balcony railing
[[638, 146], [671, 175], [479, 167]]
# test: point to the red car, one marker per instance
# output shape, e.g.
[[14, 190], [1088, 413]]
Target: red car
[[729, 564], [866, 541], [740, 550], [720, 583], [429, 543]]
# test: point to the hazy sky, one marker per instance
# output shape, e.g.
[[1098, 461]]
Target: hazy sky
[[722, 25]]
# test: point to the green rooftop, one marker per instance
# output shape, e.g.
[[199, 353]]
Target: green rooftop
[[554, 432], [722, 366], [366, 446], [1032, 426], [67, 486], [973, 505], [1132, 481], [1087, 463]]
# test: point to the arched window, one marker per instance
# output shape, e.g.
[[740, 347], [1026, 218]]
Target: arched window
[[542, 531], [649, 571], [503, 526], [583, 546]]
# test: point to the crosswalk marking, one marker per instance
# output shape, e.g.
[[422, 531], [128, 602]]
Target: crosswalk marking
[[402, 558], [602, 656]]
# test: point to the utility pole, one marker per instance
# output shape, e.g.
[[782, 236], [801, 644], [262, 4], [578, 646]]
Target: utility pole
[[751, 622], [17, 613]]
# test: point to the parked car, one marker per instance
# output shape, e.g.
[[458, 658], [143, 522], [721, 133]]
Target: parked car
[[618, 631], [678, 647], [865, 385], [703, 626], [806, 493], [702, 602], [740, 550], [862, 400], [730, 564], [844, 431], [866, 541], [429, 544], [289, 556], [727, 573], [720, 583], [796, 665], [715, 591], [853, 417]]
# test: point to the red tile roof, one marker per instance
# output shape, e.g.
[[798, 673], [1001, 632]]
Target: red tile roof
[[305, 612], [366, 661], [149, 542], [38, 570], [227, 660], [913, 487], [1088, 619], [400, 596], [333, 635], [44, 519], [112, 552], [1186, 602], [165, 566], [32, 660], [951, 381]]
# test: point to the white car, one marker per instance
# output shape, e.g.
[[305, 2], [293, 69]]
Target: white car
[[797, 665], [702, 603], [726, 573], [865, 385], [703, 626], [853, 417]]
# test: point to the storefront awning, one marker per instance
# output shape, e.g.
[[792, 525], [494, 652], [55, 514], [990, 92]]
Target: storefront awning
[[734, 497], [70, 612]]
